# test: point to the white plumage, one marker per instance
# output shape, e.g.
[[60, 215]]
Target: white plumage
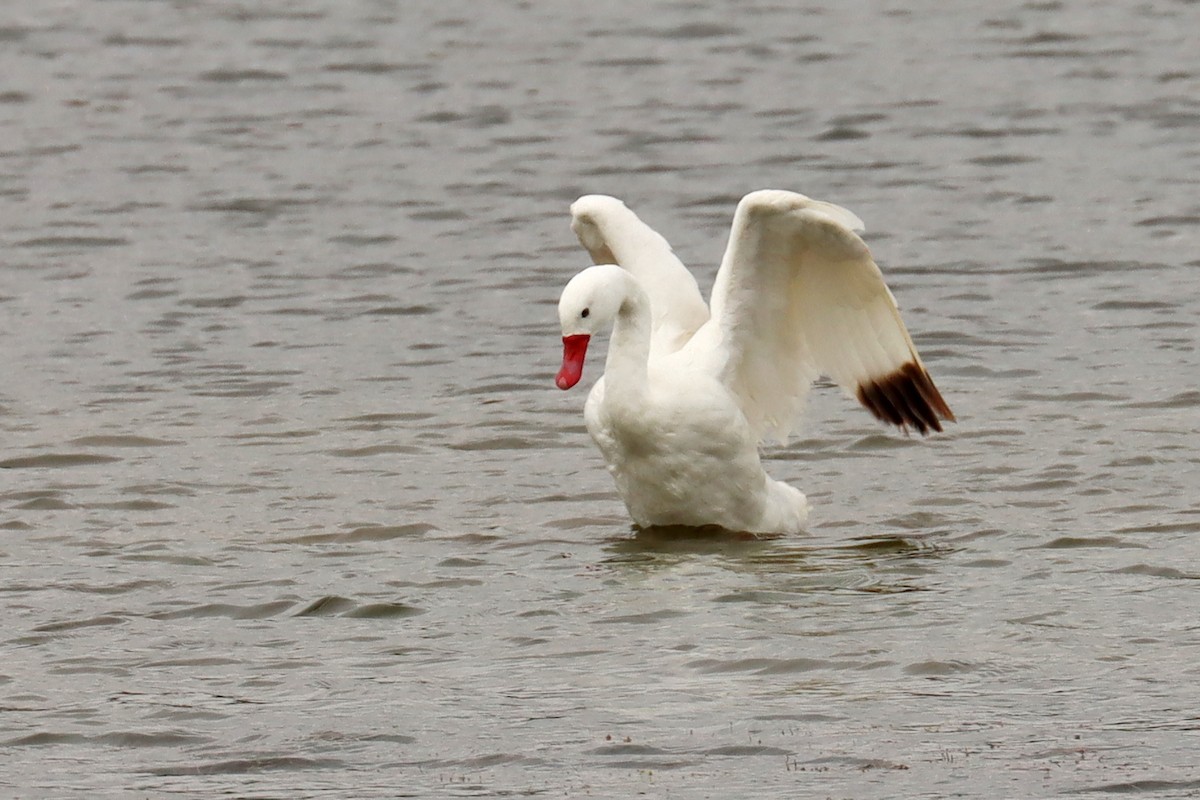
[[688, 394]]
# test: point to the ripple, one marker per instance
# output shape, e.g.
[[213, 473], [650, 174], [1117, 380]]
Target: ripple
[[1076, 542], [242, 75], [937, 669], [115, 739], [57, 461], [333, 605], [124, 40], [375, 67], [368, 533], [134, 505], [628, 749], [242, 766], [1148, 786], [228, 610], [70, 625], [44, 504], [697, 30], [459, 562], [123, 441], [487, 761], [401, 311], [384, 611], [330, 605], [1163, 527], [766, 666], [647, 618], [1156, 572], [1172, 221], [481, 117], [74, 242], [743, 750], [257, 206]]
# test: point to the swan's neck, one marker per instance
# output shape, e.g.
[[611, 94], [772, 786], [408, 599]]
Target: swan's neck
[[629, 350]]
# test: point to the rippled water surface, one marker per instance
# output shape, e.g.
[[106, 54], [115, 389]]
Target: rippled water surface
[[290, 506]]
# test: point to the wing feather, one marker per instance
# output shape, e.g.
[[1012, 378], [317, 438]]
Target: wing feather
[[612, 234], [798, 295]]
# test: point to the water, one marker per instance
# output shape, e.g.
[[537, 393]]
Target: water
[[289, 504]]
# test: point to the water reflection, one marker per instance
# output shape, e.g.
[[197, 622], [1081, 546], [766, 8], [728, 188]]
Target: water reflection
[[682, 539], [780, 566]]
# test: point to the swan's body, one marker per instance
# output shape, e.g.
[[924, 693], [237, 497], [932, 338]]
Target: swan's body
[[688, 395]]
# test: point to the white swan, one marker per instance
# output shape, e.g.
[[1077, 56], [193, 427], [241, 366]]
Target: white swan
[[688, 395]]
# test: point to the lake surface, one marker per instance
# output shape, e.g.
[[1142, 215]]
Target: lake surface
[[290, 505]]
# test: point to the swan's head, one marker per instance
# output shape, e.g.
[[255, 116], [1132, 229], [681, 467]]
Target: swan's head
[[588, 305]]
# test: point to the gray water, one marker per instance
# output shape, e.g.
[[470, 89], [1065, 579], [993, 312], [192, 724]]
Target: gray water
[[290, 506]]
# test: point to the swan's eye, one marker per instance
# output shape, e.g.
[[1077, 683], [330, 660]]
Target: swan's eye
[[585, 312]]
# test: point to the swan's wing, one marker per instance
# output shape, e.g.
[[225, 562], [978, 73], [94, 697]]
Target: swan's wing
[[612, 234], [799, 295]]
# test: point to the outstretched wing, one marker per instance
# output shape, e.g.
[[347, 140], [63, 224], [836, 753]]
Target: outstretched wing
[[612, 234], [798, 295]]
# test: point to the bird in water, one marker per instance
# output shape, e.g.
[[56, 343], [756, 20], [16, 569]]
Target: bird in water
[[690, 391]]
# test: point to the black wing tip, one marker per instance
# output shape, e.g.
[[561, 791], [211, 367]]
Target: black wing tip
[[906, 397]]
